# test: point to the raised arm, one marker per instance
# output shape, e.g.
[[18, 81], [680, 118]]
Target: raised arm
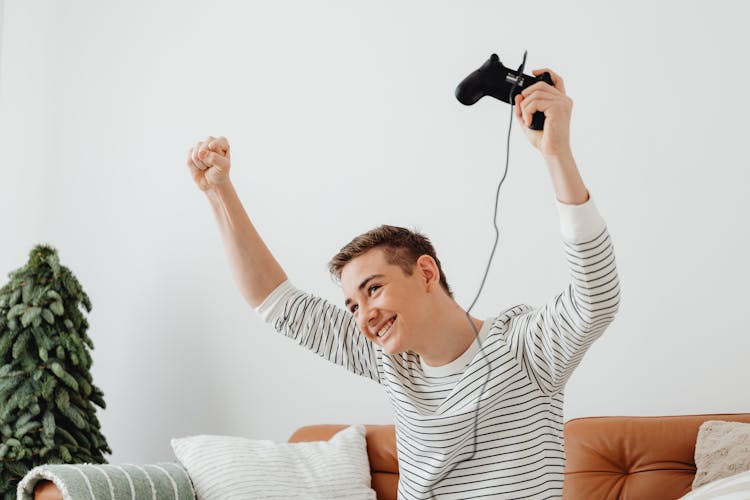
[[314, 323], [255, 270], [554, 141], [556, 336]]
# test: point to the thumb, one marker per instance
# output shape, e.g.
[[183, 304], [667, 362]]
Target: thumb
[[215, 160], [220, 145]]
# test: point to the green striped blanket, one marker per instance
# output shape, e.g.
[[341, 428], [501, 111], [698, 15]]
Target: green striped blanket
[[159, 481]]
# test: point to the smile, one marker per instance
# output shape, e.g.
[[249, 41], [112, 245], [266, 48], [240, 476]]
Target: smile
[[386, 328]]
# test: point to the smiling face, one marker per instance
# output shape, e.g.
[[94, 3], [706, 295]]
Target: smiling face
[[387, 305]]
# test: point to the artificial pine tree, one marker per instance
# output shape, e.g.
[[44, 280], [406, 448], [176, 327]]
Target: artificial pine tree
[[46, 390]]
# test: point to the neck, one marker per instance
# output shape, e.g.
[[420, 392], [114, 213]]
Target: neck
[[447, 333]]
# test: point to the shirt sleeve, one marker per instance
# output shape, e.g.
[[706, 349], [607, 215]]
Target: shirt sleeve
[[552, 339], [328, 330]]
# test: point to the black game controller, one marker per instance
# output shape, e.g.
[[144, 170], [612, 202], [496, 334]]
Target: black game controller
[[495, 80]]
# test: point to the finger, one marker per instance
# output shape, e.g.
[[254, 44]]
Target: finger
[[219, 144], [563, 101], [519, 110], [523, 120], [534, 102], [206, 142], [519, 100], [532, 106], [215, 160], [195, 172], [190, 163], [204, 151], [206, 147], [557, 80], [540, 86], [540, 95], [196, 156], [547, 92], [209, 157]]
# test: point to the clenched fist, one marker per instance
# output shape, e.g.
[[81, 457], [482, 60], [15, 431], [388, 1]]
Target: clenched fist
[[209, 162]]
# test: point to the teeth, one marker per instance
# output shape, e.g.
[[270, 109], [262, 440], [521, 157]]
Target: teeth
[[387, 327]]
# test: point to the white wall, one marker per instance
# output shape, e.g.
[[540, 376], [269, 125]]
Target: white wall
[[2, 9], [341, 116]]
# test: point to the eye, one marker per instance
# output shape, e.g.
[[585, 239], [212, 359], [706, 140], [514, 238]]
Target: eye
[[354, 307]]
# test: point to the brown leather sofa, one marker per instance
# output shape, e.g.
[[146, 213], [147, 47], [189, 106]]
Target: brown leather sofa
[[607, 458]]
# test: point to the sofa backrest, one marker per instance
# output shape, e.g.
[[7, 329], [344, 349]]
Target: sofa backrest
[[607, 458], [647, 458]]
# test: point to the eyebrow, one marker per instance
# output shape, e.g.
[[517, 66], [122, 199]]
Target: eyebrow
[[362, 285]]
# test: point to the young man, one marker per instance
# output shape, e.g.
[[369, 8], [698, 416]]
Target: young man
[[402, 329]]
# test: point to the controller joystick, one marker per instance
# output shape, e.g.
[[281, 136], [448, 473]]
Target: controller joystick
[[495, 80]]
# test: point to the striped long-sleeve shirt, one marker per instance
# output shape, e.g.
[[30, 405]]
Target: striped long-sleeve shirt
[[529, 354]]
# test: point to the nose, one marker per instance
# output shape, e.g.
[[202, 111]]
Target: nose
[[369, 316]]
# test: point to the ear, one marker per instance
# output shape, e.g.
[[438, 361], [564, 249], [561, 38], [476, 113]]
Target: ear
[[428, 272]]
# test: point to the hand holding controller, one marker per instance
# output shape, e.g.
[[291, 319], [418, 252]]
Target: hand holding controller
[[497, 81]]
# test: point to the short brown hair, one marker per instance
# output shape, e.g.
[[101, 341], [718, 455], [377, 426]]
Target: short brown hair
[[402, 248]]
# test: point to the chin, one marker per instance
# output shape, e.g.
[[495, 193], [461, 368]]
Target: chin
[[393, 350]]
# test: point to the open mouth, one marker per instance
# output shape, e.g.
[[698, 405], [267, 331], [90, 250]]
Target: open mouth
[[383, 332]]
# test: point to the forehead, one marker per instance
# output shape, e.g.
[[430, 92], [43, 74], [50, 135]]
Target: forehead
[[371, 262], [360, 271]]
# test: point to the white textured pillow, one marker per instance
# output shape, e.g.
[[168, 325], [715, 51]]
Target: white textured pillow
[[226, 467], [735, 487], [722, 449]]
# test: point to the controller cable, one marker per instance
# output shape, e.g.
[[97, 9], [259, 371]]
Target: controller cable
[[484, 278]]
